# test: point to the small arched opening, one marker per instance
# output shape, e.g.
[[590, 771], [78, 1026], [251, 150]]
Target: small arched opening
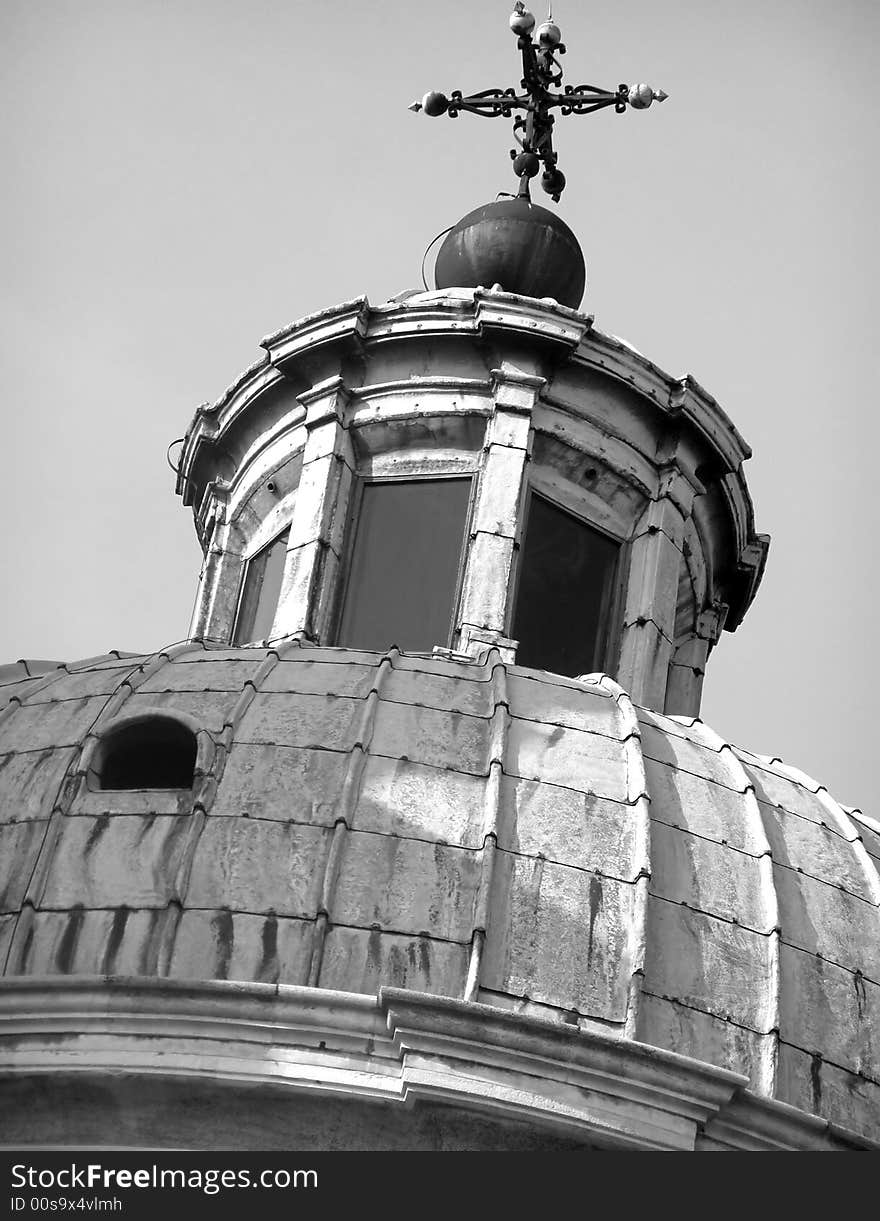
[[154, 752]]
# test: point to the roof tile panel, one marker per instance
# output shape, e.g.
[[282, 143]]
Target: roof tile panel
[[362, 960], [406, 886], [30, 782], [560, 936], [234, 945], [709, 964], [117, 860], [284, 783], [258, 866]]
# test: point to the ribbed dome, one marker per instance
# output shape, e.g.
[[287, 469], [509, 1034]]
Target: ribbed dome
[[360, 821]]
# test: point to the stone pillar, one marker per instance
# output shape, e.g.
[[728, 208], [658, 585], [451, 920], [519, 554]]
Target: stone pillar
[[198, 627], [497, 520], [647, 637], [320, 508], [684, 689], [220, 580]]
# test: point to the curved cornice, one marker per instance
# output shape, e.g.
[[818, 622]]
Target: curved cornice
[[398, 1049]]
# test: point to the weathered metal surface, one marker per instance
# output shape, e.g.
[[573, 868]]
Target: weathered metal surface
[[363, 960], [321, 721], [237, 945], [685, 754], [586, 762], [79, 942], [29, 781], [691, 1032], [419, 822], [81, 684], [810, 1084], [116, 860], [258, 866], [191, 675], [807, 847], [538, 697], [286, 783], [210, 708], [826, 1006], [19, 846], [43, 726], [516, 244], [775, 790], [321, 678], [400, 797], [406, 886], [588, 832], [428, 735], [696, 872], [558, 935], [701, 806], [448, 694], [703, 962], [817, 916]]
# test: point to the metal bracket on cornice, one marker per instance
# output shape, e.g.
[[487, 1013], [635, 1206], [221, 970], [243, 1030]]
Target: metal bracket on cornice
[[750, 569], [346, 323], [561, 326]]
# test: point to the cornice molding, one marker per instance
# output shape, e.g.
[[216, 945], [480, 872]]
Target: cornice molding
[[398, 1048]]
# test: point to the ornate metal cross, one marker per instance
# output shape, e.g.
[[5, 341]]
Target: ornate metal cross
[[541, 72]]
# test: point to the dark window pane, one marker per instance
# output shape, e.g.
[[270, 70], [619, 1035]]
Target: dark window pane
[[404, 568], [564, 595], [262, 585]]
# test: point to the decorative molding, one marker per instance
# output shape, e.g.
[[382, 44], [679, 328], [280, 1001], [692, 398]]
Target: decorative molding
[[398, 1049]]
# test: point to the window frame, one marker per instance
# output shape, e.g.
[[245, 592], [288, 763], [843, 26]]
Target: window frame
[[246, 561], [608, 645], [419, 474]]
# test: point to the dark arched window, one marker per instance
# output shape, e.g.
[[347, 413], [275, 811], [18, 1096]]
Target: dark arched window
[[154, 753], [565, 592]]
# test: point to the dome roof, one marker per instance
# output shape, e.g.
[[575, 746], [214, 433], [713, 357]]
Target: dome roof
[[464, 829], [517, 244]]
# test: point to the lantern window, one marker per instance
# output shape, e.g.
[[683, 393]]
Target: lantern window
[[405, 564], [565, 591], [260, 591]]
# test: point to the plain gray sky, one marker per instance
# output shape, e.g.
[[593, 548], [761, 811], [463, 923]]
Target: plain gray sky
[[183, 178]]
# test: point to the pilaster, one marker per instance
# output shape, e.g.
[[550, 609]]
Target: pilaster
[[214, 611], [647, 636], [318, 523], [687, 669], [487, 586]]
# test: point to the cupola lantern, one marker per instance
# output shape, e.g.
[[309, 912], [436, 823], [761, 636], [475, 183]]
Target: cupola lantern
[[527, 483]]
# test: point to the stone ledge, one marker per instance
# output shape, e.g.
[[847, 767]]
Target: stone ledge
[[398, 1049]]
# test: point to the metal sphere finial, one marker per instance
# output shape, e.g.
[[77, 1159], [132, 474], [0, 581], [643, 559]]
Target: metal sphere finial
[[521, 20], [549, 35], [542, 76]]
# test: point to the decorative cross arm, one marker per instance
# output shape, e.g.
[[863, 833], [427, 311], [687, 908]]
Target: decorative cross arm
[[542, 76]]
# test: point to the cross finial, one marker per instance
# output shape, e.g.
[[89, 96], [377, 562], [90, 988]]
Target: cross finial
[[542, 76]]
